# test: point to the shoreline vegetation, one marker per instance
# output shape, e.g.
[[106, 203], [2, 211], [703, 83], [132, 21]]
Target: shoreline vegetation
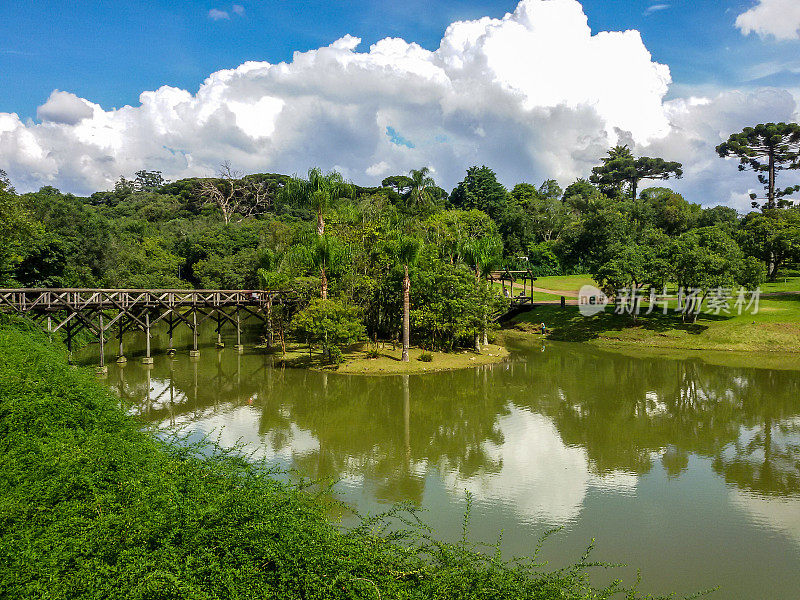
[[362, 360], [94, 506], [408, 260]]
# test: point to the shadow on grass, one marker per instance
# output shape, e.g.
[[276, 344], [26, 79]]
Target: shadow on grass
[[568, 325], [298, 357]]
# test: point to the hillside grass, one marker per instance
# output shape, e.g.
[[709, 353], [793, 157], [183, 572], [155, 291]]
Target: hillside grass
[[782, 284], [572, 283], [776, 328], [566, 283], [93, 506]]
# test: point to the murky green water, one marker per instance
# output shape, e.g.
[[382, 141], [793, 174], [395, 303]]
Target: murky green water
[[688, 471]]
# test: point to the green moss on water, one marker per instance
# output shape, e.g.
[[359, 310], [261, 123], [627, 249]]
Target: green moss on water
[[93, 506]]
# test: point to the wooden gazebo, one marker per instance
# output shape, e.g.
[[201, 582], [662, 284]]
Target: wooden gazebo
[[514, 277]]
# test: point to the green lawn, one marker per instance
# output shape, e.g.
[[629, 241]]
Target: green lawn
[[776, 328], [565, 283], [782, 284]]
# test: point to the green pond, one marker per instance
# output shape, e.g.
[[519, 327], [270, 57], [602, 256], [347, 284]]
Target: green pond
[[686, 470]]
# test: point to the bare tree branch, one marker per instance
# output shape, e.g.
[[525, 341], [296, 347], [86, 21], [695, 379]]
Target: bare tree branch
[[236, 197]]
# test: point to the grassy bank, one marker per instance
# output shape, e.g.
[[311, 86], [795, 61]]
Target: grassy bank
[[776, 328], [91, 506], [358, 360]]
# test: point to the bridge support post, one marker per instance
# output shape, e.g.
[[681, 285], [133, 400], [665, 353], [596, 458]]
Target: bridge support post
[[147, 359], [171, 326], [102, 369], [220, 344], [121, 354], [239, 348], [270, 335], [68, 328], [194, 351]]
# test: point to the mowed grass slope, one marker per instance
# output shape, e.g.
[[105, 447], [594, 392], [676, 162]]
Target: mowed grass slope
[[566, 283], [573, 283], [776, 328]]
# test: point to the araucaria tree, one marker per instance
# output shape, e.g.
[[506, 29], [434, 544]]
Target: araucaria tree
[[766, 149], [620, 168]]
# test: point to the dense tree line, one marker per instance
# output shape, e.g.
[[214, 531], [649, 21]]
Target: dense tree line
[[406, 252]]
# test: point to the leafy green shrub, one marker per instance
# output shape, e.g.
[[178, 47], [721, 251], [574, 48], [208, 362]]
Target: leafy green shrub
[[373, 353], [426, 357], [335, 355], [329, 323], [92, 506]]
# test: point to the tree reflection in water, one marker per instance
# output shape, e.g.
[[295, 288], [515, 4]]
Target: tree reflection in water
[[626, 414]]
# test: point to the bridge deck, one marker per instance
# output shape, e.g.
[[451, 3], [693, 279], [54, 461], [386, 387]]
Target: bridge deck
[[58, 299], [98, 310]]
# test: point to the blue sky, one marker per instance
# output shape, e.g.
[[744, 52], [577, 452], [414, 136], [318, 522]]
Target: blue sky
[[111, 51], [534, 96]]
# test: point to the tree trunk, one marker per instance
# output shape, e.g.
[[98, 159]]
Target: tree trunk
[[320, 224], [698, 307], [324, 279], [406, 311], [477, 287], [771, 189], [773, 267]]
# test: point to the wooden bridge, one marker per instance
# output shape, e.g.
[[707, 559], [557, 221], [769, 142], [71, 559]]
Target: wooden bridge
[[104, 310]]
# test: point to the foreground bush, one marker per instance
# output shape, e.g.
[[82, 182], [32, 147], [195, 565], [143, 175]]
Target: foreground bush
[[93, 507]]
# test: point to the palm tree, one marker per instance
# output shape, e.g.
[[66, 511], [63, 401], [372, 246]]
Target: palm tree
[[482, 255], [318, 192], [327, 252], [319, 255], [408, 250], [423, 190]]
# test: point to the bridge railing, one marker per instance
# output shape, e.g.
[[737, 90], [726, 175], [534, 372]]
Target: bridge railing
[[50, 299]]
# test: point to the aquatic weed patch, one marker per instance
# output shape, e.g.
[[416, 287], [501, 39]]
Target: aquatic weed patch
[[92, 506]]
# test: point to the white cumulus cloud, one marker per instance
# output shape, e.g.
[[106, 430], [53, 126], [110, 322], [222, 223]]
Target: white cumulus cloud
[[216, 14], [534, 94], [65, 108], [777, 18]]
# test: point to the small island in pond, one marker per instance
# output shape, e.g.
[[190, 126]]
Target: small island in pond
[[364, 360]]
